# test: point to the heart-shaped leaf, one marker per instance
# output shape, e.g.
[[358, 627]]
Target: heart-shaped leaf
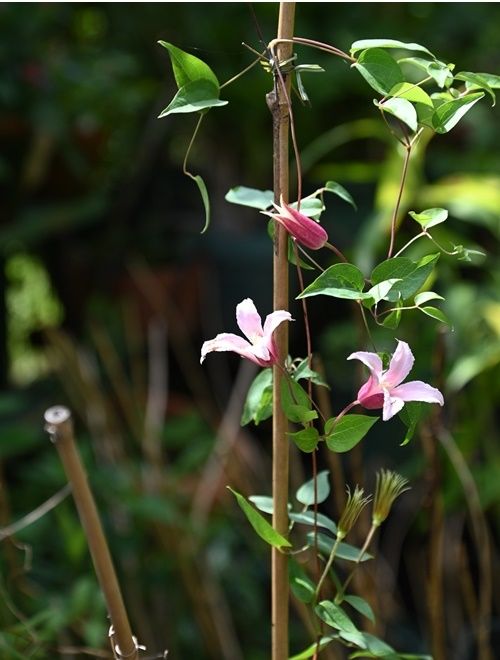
[[379, 69], [188, 68], [345, 434], [194, 96], [402, 109], [339, 281], [388, 43]]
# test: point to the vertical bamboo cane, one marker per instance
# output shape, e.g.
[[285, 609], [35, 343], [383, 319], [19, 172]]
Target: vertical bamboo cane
[[60, 427], [278, 104]]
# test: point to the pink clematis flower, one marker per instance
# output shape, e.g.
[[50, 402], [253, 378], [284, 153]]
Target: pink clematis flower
[[260, 347], [304, 230], [383, 389]]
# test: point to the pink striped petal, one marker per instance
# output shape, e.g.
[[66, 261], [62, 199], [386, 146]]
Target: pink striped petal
[[399, 366], [274, 320], [229, 342], [249, 320], [416, 390], [372, 361]]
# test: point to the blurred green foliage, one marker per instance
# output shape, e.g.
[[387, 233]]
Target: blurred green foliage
[[93, 201]]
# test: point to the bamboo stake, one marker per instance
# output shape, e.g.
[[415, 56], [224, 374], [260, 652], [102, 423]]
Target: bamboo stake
[[60, 427], [278, 104]]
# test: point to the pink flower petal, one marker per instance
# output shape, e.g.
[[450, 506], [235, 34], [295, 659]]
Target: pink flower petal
[[370, 394], [248, 319], [229, 342], [274, 320], [372, 361], [400, 365], [416, 390], [392, 405]]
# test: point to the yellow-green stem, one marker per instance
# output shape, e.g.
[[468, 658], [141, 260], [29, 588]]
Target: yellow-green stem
[[366, 544]]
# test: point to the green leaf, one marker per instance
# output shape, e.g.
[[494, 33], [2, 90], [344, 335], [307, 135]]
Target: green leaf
[[308, 518], [476, 81], [333, 615], [339, 281], [194, 96], [293, 252], [301, 585], [464, 254], [311, 207], [303, 371], [402, 110], [393, 319], [344, 550], [435, 313], [305, 494], [412, 275], [379, 69], [256, 199], [263, 502], [259, 402], [379, 292], [347, 432], [411, 92], [340, 191], [410, 415], [204, 196], [361, 606], [430, 217], [306, 439], [188, 68], [377, 648], [425, 296], [313, 648], [260, 524], [439, 71], [388, 43], [451, 112], [295, 402]]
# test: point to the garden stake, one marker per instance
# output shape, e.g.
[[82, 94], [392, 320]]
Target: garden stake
[[60, 427], [278, 104]]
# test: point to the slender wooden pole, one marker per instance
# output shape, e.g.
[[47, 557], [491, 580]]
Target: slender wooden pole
[[60, 427], [277, 101]]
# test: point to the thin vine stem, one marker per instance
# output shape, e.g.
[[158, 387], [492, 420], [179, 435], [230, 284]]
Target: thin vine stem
[[319, 45], [404, 173], [329, 563], [242, 73], [365, 547], [190, 145]]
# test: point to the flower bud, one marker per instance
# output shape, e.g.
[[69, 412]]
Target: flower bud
[[304, 230], [389, 486], [353, 507]]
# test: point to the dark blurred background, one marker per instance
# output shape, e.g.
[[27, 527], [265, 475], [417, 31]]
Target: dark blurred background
[[107, 290]]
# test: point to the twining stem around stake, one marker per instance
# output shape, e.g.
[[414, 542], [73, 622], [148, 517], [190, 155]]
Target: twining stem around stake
[[60, 427], [279, 105]]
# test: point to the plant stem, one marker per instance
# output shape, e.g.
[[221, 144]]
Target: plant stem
[[191, 142], [279, 105], [400, 194], [328, 566], [60, 427], [340, 595]]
